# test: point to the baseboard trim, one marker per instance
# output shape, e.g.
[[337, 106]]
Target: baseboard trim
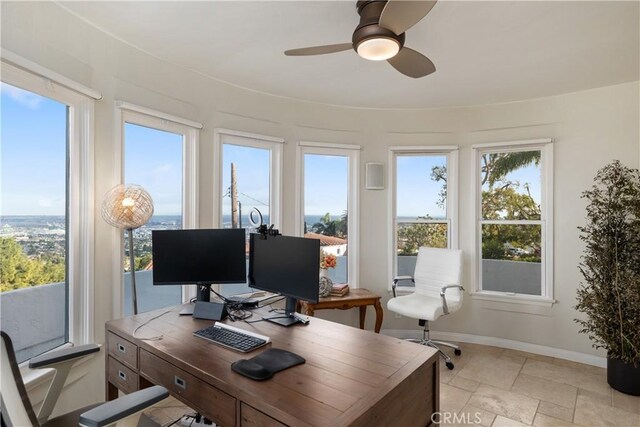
[[559, 353]]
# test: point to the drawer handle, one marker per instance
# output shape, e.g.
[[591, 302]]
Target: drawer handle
[[121, 348], [180, 382], [122, 375]]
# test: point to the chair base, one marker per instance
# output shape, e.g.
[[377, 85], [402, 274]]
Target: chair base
[[434, 344], [425, 340]]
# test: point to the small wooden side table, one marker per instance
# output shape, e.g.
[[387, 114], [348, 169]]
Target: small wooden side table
[[360, 298]]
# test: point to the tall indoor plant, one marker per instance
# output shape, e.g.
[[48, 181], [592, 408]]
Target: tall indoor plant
[[610, 292]]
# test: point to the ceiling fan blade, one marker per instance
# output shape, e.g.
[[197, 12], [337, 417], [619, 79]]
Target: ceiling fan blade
[[319, 50], [412, 63], [400, 15]]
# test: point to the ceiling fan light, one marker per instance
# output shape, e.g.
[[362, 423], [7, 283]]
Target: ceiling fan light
[[378, 48]]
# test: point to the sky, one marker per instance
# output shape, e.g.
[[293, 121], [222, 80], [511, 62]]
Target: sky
[[153, 159], [33, 153], [33, 168]]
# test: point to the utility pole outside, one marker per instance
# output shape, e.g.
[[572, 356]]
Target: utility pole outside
[[234, 198]]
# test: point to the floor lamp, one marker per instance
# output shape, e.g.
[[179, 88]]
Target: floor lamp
[[128, 207]]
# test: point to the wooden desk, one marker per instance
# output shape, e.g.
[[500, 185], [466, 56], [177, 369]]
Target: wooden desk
[[351, 377], [355, 298]]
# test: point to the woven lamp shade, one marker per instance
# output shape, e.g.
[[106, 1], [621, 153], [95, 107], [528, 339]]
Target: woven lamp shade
[[127, 206]]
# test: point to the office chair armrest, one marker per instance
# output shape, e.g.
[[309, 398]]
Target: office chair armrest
[[122, 407], [396, 279], [53, 357], [442, 295]]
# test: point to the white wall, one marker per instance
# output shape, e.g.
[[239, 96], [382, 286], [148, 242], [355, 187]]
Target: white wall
[[590, 129]]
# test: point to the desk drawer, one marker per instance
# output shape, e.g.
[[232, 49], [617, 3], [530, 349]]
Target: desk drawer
[[253, 418], [123, 350], [122, 377], [215, 404]]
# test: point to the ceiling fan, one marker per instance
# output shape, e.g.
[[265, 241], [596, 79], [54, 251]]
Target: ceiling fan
[[380, 36]]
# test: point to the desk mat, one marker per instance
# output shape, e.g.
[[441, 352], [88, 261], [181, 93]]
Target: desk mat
[[263, 366]]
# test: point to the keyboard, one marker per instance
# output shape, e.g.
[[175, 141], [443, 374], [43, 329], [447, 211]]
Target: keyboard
[[233, 338]]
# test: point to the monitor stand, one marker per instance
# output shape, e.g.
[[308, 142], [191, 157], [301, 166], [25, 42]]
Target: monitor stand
[[203, 294], [290, 317]]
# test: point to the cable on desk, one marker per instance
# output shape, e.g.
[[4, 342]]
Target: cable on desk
[[156, 338]]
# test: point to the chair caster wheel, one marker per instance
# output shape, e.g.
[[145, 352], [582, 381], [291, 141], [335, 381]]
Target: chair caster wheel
[[457, 352], [449, 365]]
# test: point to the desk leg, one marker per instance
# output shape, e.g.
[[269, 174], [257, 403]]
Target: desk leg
[[363, 314], [112, 392], [379, 315]]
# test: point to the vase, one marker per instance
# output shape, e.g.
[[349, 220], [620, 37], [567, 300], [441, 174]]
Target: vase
[[325, 283], [623, 376]]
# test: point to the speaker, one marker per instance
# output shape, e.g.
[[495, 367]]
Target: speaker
[[374, 176]]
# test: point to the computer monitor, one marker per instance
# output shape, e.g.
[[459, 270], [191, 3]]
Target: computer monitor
[[287, 265], [199, 257]]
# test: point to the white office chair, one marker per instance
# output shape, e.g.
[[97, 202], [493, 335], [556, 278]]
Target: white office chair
[[16, 406], [438, 292]]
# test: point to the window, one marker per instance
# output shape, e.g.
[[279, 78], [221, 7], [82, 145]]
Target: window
[[424, 203], [249, 178], [158, 155], [513, 222], [45, 222], [329, 175]]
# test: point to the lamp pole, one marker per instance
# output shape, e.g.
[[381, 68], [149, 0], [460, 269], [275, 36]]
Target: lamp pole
[[132, 266]]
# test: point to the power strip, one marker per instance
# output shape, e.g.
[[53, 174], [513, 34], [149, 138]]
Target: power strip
[[189, 421]]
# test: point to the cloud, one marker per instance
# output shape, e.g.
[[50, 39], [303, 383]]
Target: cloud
[[163, 169], [22, 97]]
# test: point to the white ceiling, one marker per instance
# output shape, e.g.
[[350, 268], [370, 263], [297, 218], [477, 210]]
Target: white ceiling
[[485, 52]]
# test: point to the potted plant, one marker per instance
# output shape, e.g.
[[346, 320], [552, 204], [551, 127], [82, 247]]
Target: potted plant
[[610, 293]]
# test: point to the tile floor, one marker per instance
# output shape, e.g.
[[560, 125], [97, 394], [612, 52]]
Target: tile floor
[[497, 387]]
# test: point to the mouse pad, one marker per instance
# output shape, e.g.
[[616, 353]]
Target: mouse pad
[[263, 366]]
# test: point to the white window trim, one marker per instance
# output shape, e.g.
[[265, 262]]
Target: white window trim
[[28, 65], [80, 197], [451, 151], [352, 152], [274, 145], [545, 145], [161, 121]]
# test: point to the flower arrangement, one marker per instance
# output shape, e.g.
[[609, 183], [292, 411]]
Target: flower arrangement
[[327, 260]]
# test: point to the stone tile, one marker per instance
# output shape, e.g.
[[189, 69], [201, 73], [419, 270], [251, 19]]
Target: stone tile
[[501, 421], [626, 401], [515, 359], [589, 412], [542, 389], [542, 420], [477, 416], [533, 356], [593, 370], [603, 399], [566, 375], [556, 411], [446, 376], [505, 403], [490, 369], [465, 384], [477, 348], [452, 399]]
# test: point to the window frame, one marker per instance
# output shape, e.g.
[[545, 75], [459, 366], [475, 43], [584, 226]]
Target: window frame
[[80, 198], [352, 152], [252, 140], [142, 116], [451, 152], [545, 146]]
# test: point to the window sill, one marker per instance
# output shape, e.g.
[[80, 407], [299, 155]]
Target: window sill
[[513, 298]]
